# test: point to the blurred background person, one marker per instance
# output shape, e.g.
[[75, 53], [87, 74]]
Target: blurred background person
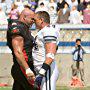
[[14, 13], [78, 63], [75, 16], [46, 2], [52, 10], [3, 17], [81, 6], [87, 1], [60, 4], [63, 14], [72, 3], [53, 15], [52, 3], [41, 7], [3, 5], [8, 5], [20, 5], [86, 15]]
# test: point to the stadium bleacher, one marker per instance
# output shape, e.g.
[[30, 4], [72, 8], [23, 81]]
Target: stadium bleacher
[[68, 35]]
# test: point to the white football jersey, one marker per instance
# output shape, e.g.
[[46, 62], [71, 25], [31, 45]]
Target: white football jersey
[[47, 34]]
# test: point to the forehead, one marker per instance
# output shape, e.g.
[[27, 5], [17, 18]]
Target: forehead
[[29, 15], [27, 12], [78, 41]]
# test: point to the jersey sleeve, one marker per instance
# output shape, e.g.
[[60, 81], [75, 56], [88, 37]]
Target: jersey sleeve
[[50, 35]]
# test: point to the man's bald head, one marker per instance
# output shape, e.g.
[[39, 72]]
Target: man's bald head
[[26, 16], [27, 11]]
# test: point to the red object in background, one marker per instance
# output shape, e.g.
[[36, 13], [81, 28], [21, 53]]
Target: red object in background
[[3, 84], [76, 82]]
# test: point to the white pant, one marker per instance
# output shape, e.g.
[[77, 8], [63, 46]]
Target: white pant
[[53, 78]]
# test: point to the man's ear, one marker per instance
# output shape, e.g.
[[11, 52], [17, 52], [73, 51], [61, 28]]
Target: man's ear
[[24, 18], [42, 20]]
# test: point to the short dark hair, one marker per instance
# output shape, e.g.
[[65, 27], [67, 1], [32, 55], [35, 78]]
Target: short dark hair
[[67, 4], [42, 3], [27, 6], [78, 40], [52, 7], [44, 15]]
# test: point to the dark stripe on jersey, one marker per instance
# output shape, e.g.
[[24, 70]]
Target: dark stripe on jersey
[[50, 39], [50, 36]]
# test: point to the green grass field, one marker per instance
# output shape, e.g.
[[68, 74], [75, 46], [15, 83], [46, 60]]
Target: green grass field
[[5, 88], [58, 88], [69, 88]]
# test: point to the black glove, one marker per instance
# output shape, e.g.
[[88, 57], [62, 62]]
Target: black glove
[[41, 74], [38, 79], [37, 82]]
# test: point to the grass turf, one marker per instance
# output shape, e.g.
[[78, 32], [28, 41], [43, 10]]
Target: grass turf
[[5, 88], [58, 88], [71, 88]]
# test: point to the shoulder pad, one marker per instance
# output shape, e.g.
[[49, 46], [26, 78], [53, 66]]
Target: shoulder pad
[[13, 29]]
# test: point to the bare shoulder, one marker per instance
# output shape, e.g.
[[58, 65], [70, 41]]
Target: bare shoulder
[[17, 38], [17, 41]]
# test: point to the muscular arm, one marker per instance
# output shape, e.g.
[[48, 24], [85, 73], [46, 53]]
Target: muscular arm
[[50, 48], [17, 43]]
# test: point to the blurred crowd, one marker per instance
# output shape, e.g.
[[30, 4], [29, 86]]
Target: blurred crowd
[[60, 11]]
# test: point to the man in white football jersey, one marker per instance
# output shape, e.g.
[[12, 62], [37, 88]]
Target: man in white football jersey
[[44, 52]]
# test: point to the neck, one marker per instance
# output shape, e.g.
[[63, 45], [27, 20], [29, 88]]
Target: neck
[[52, 1]]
